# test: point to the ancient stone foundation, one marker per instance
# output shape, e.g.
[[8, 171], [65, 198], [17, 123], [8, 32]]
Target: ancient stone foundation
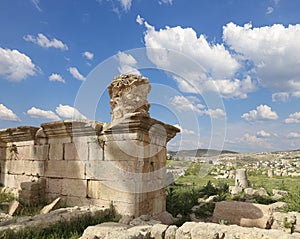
[[91, 163]]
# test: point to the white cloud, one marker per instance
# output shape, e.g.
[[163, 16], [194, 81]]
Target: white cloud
[[215, 113], [184, 131], [293, 118], [199, 65], [43, 41], [262, 134], [7, 114], [165, 2], [127, 64], [182, 103], [269, 10], [293, 135], [56, 77], [280, 96], [88, 55], [273, 50], [126, 4], [37, 5], [69, 112], [262, 112], [15, 66], [76, 74], [252, 139], [39, 113], [140, 20], [187, 104]]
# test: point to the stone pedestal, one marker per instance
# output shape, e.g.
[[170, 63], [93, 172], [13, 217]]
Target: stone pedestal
[[135, 164]]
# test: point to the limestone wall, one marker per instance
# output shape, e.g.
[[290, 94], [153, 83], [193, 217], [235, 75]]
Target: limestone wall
[[85, 163]]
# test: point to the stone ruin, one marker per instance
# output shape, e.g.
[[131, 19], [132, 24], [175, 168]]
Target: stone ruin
[[93, 163]]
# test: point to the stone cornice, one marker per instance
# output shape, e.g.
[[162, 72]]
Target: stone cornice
[[72, 128], [139, 122], [21, 133]]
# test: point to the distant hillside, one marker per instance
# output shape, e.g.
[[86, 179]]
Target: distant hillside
[[199, 152]]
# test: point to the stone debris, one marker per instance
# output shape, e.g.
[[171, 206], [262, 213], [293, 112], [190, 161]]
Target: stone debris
[[56, 216], [243, 214], [14, 208], [50, 206], [189, 230]]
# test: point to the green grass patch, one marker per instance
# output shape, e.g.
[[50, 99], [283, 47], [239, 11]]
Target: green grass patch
[[62, 229]]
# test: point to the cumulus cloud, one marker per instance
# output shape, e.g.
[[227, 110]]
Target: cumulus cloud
[[43, 41], [197, 64], [215, 113], [273, 50], [88, 55], [36, 3], [293, 118], [182, 103], [7, 114], [262, 134], [76, 74], [185, 104], [56, 77], [127, 64], [261, 113], [15, 66], [39, 113], [69, 112]]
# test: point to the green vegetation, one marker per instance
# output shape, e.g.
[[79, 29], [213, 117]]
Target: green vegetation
[[6, 197], [181, 199], [198, 183], [61, 230]]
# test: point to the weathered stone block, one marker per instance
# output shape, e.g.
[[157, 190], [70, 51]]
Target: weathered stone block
[[106, 191], [243, 214], [25, 152], [158, 231], [76, 151], [123, 150], [65, 169], [50, 206], [30, 186], [54, 186], [40, 152], [60, 140], [95, 151], [74, 187], [94, 189], [56, 151], [24, 167]]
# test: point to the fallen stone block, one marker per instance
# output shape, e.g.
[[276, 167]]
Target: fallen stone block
[[50, 206], [243, 214], [158, 231], [14, 208]]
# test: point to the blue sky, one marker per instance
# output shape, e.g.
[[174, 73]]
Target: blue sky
[[227, 72]]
